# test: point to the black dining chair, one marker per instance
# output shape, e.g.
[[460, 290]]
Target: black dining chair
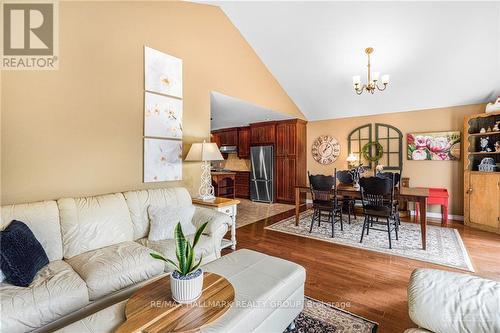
[[324, 197], [377, 196], [395, 178], [348, 204]]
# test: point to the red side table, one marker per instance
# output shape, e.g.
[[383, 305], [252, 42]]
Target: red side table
[[437, 196]]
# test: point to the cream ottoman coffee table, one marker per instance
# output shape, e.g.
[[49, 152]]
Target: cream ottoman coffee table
[[269, 295]]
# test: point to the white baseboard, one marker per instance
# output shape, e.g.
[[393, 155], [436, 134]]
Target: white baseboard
[[438, 216], [429, 214]]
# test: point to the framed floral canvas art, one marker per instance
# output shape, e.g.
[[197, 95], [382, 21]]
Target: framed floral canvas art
[[162, 116], [162, 73], [435, 146], [162, 160]]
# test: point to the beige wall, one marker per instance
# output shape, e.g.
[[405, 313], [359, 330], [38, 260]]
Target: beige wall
[[448, 174], [78, 130]]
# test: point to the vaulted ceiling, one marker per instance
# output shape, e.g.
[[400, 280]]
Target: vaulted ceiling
[[437, 53]]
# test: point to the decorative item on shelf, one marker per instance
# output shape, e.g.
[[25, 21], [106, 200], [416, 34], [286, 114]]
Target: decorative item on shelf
[[325, 149], [484, 143], [373, 78], [487, 165], [497, 146], [488, 129], [367, 151], [205, 152], [496, 128], [435, 146], [356, 173], [492, 107], [186, 281], [482, 130]]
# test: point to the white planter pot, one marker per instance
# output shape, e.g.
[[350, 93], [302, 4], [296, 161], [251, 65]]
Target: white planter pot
[[186, 289]]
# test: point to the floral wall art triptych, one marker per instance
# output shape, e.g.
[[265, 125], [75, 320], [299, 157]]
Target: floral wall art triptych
[[162, 116]]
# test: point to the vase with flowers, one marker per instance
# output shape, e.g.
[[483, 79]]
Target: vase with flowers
[[356, 173]]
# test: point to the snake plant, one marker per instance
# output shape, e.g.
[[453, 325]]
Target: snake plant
[[184, 251]]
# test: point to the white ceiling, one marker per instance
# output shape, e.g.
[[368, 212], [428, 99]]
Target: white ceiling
[[437, 53], [228, 112]]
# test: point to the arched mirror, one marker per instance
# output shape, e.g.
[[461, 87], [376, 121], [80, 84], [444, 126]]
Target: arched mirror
[[391, 140], [357, 139]]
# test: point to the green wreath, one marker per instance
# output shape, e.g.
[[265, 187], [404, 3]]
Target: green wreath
[[366, 150]]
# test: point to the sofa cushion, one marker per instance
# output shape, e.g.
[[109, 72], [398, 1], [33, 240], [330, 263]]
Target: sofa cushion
[[166, 248], [115, 267], [43, 220], [448, 302], [56, 291], [22, 255], [165, 219], [90, 223], [139, 201], [261, 282]]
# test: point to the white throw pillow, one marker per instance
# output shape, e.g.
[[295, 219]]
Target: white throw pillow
[[164, 219]]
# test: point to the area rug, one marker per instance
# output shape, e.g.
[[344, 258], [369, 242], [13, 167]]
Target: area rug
[[319, 317], [444, 245]]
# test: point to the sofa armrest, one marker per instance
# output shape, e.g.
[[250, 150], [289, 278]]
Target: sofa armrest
[[217, 221], [448, 302], [217, 226]]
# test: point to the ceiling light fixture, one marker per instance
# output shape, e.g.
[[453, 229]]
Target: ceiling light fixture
[[373, 79]]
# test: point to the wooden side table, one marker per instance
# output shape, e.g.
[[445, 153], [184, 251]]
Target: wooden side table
[[226, 206], [152, 309]]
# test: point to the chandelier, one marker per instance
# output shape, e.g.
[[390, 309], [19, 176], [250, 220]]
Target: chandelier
[[373, 79]]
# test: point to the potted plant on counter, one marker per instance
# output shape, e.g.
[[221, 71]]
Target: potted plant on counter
[[186, 281]]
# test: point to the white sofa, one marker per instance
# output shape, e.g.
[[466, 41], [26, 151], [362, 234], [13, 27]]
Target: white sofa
[[98, 252], [447, 302], [269, 295]]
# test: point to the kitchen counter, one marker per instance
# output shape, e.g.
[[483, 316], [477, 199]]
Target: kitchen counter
[[221, 173]]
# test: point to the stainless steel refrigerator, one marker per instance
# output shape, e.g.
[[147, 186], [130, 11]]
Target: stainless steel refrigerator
[[261, 177]]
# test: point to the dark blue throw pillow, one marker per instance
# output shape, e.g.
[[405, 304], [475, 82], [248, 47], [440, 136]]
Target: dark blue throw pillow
[[22, 255]]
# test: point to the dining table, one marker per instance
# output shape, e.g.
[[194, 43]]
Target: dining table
[[408, 194]]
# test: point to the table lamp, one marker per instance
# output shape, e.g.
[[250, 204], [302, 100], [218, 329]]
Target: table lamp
[[351, 159], [205, 152]]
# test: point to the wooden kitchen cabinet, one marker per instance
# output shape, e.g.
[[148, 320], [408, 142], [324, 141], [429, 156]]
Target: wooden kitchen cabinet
[[226, 137], [215, 137], [244, 142], [263, 133], [286, 138], [291, 155], [286, 173], [223, 183], [242, 184]]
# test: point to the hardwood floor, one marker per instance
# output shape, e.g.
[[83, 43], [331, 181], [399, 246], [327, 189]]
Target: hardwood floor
[[371, 284]]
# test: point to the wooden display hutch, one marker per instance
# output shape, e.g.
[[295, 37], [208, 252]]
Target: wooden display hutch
[[481, 189]]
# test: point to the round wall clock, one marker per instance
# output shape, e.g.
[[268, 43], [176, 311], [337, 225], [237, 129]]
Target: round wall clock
[[325, 149]]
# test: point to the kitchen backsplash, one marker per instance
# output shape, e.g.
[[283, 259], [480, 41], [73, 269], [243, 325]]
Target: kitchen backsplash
[[234, 163]]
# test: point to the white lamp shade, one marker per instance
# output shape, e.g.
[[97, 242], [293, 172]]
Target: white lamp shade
[[352, 158], [206, 151]]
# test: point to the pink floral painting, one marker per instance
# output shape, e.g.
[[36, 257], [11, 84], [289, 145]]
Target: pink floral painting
[[435, 146]]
